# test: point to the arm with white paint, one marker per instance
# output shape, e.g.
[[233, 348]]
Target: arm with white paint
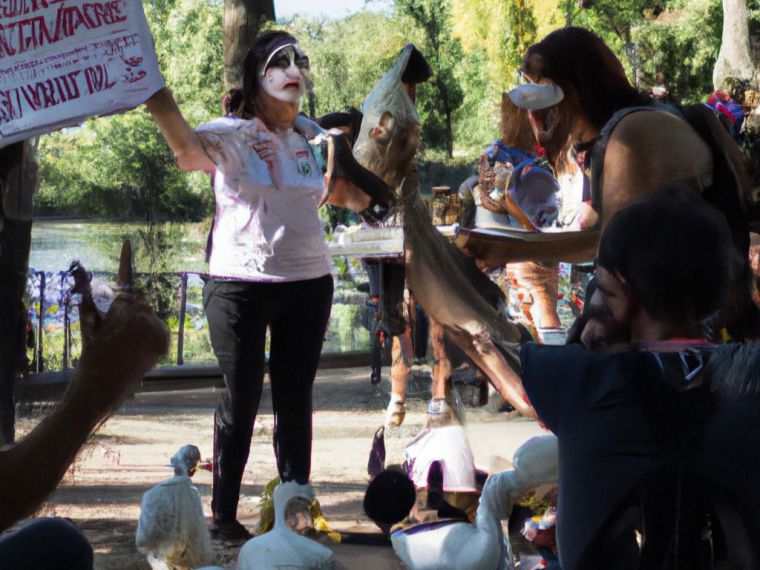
[[180, 137]]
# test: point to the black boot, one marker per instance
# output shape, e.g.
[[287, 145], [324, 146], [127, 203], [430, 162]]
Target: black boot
[[227, 474]]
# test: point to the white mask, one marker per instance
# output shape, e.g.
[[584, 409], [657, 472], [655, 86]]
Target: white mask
[[285, 74]]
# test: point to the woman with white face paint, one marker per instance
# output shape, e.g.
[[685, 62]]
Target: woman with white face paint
[[268, 260]]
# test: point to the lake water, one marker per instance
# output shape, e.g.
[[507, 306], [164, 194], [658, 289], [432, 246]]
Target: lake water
[[96, 244]]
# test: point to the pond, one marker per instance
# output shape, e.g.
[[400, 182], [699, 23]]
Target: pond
[[165, 251]]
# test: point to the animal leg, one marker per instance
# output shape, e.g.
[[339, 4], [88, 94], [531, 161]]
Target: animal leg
[[401, 352], [441, 363], [490, 360]]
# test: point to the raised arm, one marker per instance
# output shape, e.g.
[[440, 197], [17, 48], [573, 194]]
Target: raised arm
[[128, 343], [180, 137]]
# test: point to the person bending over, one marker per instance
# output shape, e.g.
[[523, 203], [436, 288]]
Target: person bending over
[[638, 430]]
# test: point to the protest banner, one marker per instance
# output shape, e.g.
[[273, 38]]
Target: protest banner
[[62, 61]]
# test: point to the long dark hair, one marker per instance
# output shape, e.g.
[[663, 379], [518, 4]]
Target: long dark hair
[[586, 70], [241, 101]]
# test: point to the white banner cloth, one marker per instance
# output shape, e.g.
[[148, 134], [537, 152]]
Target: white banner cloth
[[62, 61]]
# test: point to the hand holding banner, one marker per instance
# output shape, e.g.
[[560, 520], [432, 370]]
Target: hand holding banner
[[62, 61]]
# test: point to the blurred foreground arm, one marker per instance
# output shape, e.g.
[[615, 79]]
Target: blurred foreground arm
[[126, 344]]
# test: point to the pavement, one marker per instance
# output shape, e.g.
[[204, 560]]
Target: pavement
[[130, 453]]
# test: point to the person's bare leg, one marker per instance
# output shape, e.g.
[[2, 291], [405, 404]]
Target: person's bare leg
[[542, 282]]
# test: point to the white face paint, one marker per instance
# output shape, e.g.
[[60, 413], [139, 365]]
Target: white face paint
[[286, 74]]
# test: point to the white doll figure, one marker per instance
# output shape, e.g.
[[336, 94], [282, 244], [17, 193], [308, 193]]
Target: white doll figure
[[282, 547], [172, 530], [458, 545]]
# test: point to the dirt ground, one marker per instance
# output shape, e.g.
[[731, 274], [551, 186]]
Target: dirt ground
[[102, 490]]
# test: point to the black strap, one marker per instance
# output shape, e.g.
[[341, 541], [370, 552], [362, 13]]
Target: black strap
[[599, 148]]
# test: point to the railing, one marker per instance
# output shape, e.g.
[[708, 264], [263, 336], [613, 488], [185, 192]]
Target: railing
[[51, 299]]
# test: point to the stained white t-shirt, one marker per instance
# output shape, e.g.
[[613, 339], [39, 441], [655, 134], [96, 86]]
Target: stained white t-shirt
[[265, 231]]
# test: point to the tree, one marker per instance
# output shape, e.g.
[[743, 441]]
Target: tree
[[679, 47], [348, 56], [502, 31], [242, 20], [439, 98], [494, 37], [18, 183], [119, 165], [734, 58]]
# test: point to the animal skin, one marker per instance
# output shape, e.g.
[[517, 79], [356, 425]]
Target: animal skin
[[444, 283]]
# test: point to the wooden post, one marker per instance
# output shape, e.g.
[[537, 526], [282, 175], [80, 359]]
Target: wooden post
[[182, 313]]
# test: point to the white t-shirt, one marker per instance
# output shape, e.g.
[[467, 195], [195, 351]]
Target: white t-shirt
[[264, 231]]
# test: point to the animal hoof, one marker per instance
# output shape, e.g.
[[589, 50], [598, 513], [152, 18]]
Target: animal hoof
[[395, 414]]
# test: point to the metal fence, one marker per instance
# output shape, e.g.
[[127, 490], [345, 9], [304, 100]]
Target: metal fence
[[53, 314]]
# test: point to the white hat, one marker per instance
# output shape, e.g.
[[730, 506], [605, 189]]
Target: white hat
[[534, 96]]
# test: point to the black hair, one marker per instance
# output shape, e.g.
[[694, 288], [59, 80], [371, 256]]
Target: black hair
[[389, 497], [675, 252], [242, 100]]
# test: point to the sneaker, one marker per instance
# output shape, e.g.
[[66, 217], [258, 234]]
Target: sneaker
[[229, 530], [437, 407]]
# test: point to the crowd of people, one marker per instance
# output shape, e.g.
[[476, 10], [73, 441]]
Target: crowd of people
[[653, 411]]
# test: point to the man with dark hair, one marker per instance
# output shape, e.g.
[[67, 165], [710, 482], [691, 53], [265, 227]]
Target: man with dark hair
[[638, 429]]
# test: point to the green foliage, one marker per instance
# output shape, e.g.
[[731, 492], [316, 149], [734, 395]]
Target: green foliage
[[440, 97], [347, 56], [477, 120], [675, 41], [682, 48], [120, 165], [494, 37]]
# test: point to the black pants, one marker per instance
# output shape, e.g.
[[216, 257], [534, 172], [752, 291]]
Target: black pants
[[46, 544], [238, 315]]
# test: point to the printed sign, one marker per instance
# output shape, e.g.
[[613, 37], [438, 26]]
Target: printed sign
[[62, 61]]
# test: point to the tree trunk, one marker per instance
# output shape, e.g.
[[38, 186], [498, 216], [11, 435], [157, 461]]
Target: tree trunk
[[18, 183], [449, 135], [242, 19], [734, 59]]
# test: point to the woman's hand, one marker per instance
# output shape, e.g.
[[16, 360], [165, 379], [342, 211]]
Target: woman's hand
[[263, 142]]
